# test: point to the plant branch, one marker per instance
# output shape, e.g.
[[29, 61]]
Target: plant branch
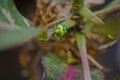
[[56, 21], [81, 42], [107, 11], [105, 46], [91, 59], [95, 62]]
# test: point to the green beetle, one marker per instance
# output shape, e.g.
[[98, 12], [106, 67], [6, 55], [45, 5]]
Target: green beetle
[[61, 30]]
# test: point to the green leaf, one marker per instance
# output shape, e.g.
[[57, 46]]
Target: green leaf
[[88, 26], [69, 23], [10, 38], [110, 29], [107, 11], [79, 8], [43, 36], [9, 14], [55, 66], [117, 77], [95, 73], [78, 3], [88, 14], [18, 28], [113, 3]]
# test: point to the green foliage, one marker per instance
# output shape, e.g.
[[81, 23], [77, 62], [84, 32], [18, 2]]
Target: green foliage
[[114, 2], [43, 36], [86, 13], [10, 15], [95, 73], [110, 29], [69, 23], [10, 38], [55, 66], [78, 3], [117, 77], [87, 26]]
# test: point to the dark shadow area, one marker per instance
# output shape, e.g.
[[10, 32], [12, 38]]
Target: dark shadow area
[[10, 68], [26, 7], [102, 5], [109, 60]]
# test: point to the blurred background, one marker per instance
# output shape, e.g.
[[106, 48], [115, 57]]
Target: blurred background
[[16, 65]]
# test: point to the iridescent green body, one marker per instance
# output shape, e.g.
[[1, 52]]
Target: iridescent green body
[[61, 30]]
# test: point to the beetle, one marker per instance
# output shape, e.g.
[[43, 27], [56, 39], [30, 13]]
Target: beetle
[[61, 30]]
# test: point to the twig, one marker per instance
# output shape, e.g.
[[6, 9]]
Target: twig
[[105, 46], [56, 21], [106, 11], [95, 62], [38, 68], [91, 59], [98, 65]]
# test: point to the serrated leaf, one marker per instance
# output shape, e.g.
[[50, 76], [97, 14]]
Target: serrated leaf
[[55, 66], [95, 73]]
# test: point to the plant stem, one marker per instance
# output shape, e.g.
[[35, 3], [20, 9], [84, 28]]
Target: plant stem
[[90, 58], [95, 62], [56, 21], [106, 11], [105, 46], [81, 42]]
